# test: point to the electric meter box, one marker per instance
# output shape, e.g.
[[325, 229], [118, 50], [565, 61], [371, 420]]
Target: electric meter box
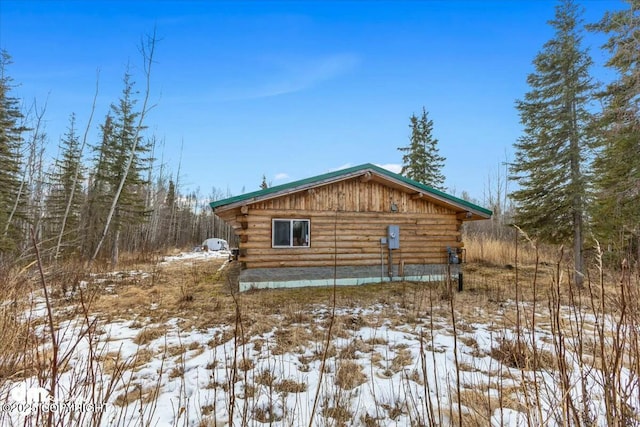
[[393, 236]]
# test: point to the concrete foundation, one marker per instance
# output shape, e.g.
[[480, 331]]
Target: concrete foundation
[[294, 277]]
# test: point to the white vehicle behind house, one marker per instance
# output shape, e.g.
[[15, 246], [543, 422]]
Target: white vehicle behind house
[[214, 244]]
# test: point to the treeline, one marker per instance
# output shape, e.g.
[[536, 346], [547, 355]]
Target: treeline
[[98, 198], [576, 166]]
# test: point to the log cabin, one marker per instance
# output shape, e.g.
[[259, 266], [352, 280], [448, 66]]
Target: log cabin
[[363, 224]]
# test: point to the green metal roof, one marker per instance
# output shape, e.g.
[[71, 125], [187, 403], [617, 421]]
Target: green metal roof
[[260, 194]]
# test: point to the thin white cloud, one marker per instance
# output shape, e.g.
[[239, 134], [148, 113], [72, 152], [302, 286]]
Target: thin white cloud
[[294, 74], [281, 176], [393, 167], [345, 166]]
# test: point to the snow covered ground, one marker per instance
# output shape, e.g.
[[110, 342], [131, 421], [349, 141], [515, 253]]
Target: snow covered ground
[[383, 365], [195, 256]]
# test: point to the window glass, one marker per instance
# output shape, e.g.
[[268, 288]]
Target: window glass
[[300, 233], [281, 233]]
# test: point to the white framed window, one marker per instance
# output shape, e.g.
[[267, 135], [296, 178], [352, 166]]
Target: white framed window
[[290, 233]]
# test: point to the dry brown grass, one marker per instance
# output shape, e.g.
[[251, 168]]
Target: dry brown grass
[[340, 414], [146, 335], [496, 252], [402, 358], [291, 339], [350, 375], [265, 378], [480, 405], [194, 346], [17, 339], [19, 357], [355, 346], [111, 362], [489, 279], [211, 302], [290, 386], [296, 313], [174, 290], [174, 350], [246, 364], [376, 341], [266, 414], [176, 372], [136, 392], [221, 338], [141, 358], [520, 355]]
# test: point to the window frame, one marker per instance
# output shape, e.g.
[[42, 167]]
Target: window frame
[[290, 221]]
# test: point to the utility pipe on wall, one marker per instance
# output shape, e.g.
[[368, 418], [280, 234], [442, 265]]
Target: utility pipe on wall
[[382, 242]]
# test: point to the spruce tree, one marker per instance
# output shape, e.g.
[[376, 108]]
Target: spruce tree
[[550, 162], [97, 191], [122, 158], [12, 199], [616, 211], [264, 185], [65, 199], [422, 161]]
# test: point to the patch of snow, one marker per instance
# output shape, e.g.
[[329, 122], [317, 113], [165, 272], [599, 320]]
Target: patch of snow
[[195, 255]]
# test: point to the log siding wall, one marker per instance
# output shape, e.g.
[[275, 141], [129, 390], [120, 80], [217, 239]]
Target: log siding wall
[[348, 219]]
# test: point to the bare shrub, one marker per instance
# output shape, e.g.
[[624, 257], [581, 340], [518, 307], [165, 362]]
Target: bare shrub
[[395, 409], [340, 414], [246, 364], [267, 414], [265, 378]]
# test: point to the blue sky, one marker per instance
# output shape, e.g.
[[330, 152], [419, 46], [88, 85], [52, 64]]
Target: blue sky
[[291, 89]]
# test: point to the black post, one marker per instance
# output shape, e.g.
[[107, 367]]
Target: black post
[[460, 282]]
